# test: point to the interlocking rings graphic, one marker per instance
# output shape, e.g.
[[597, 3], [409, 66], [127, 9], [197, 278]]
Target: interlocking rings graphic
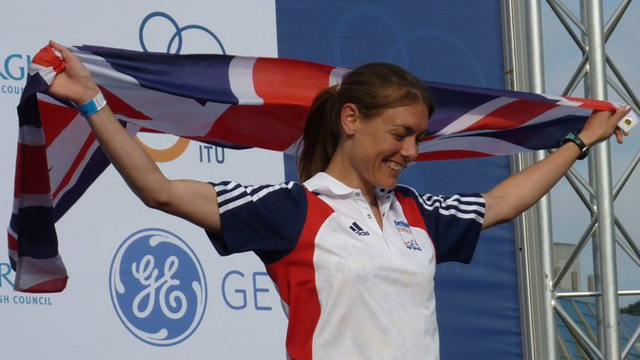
[[158, 287], [180, 146], [177, 34]]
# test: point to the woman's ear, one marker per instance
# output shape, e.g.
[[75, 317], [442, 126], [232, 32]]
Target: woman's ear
[[349, 118]]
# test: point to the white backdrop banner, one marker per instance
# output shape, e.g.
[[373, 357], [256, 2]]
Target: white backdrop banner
[[231, 309]]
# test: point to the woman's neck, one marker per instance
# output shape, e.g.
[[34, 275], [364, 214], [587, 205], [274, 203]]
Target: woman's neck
[[341, 171]]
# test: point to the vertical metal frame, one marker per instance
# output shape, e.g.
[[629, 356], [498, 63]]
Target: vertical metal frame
[[538, 288]]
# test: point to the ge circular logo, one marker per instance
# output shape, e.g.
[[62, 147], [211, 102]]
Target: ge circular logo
[[157, 287]]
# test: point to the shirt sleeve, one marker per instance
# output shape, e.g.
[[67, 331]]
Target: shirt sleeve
[[266, 219], [453, 223]]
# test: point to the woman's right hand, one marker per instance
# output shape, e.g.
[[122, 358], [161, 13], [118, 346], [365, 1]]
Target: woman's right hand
[[75, 83]]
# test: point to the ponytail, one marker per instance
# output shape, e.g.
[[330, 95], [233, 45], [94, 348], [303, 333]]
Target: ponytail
[[372, 88], [321, 135]]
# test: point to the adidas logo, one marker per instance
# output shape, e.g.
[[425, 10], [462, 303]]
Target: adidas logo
[[358, 230]]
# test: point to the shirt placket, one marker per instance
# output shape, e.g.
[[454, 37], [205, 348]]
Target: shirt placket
[[383, 205]]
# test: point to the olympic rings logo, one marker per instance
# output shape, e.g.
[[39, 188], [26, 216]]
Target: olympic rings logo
[[180, 146], [177, 35]]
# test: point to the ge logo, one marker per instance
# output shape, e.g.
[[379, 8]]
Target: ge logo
[[157, 287], [168, 36]]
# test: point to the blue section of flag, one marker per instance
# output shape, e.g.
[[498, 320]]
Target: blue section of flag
[[163, 71]]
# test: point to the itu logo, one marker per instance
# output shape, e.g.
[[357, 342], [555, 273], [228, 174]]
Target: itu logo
[[158, 287]]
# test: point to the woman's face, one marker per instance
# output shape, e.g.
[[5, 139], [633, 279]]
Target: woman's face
[[385, 144]]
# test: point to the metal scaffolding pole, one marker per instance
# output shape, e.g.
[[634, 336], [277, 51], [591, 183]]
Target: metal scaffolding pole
[[537, 285], [543, 208], [593, 199], [604, 188]]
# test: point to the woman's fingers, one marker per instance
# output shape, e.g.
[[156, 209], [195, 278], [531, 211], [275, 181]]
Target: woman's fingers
[[618, 133], [61, 49]]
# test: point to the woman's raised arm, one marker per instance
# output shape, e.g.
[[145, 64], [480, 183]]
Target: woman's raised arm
[[195, 201], [520, 191]]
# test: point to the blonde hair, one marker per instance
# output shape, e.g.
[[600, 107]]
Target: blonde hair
[[372, 88]]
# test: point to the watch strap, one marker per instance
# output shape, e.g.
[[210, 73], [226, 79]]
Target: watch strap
[[574, 138]]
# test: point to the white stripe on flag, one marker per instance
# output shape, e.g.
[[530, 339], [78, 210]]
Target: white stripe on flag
[[26, 200], [29, 135], [337, 75], [36, 271], [562, 100], [76, 174], [241, 81], [482, 144], [34, 68], [474, 115], [65, 148], [132, 129]]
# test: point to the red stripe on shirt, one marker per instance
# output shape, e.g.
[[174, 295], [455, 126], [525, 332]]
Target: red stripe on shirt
[[295, 277], [413, 216]]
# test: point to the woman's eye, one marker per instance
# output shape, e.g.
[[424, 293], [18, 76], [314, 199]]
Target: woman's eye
[[398, 137]]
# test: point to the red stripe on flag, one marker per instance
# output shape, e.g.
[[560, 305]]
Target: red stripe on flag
[[76, 163], [273, 127], [12, 242], [54, 118], [46, 57], [49, 286], [451, 154], [511, 115], [32, 173], [593, 104], [285, 81]]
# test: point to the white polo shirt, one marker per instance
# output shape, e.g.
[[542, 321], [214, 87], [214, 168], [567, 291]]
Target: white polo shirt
[[351, 290]]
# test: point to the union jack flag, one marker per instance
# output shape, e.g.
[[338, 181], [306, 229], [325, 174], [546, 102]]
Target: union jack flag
[[229, 101]]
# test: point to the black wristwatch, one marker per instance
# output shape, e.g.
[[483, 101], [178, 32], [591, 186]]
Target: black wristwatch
[[574, 138]]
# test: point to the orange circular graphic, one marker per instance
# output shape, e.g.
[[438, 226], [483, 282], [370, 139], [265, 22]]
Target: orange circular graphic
[[169, 154]]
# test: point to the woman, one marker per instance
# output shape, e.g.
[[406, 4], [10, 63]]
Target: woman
[[351, 252]]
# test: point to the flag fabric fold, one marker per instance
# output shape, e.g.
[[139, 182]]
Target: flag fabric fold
[[229, 101]]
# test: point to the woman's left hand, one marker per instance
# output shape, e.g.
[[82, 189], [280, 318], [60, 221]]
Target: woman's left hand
[[602, 124]]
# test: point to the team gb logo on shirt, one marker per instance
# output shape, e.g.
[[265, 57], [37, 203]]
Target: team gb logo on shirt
[[157, 287], [407, 236]]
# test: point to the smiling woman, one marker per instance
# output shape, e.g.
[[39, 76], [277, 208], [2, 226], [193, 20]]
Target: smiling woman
[[351, 252]]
